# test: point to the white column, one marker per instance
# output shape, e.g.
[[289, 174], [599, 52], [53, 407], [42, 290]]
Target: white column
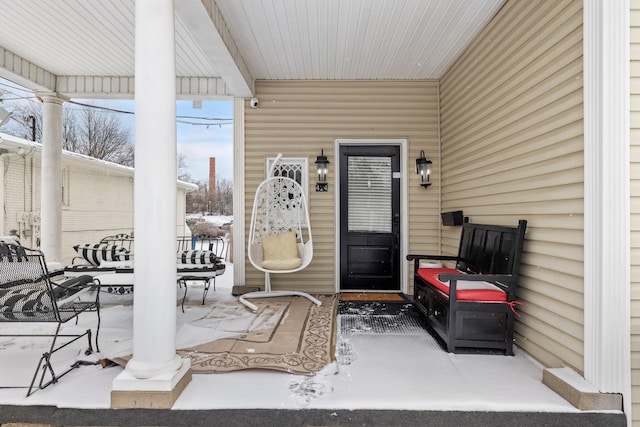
[[239, 252], [607, 314], [51, 178], [154, 309]]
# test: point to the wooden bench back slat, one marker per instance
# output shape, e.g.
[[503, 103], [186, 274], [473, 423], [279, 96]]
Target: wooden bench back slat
[[490, 249]]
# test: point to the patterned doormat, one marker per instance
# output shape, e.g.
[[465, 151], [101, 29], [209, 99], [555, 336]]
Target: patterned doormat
[[371, 296], [288, 334]]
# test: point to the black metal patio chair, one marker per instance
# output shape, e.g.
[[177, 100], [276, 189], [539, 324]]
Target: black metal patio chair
[[29, 295]]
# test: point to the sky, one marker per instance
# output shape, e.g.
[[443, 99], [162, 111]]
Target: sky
[[198, 143], [198, 136]]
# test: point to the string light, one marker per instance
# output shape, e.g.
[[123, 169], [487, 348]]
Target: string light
[[204, 121]]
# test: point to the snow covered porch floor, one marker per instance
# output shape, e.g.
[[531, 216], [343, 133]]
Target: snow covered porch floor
[[384, 376]]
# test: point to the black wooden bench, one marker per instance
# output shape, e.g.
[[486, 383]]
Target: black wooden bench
[[28, 295], [473, 305]]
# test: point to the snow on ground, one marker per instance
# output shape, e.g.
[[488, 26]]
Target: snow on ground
[[217, 220], [379, 371]]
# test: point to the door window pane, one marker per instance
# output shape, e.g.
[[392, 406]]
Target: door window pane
[[369, 190]]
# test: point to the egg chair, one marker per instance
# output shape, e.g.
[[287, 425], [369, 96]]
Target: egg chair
[[280, 240]]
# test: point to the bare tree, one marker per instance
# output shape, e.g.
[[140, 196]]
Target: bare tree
[[85, 130], [224, 196], [102, 136], [198, 198], [221, 204], [183, 172], [70, 132], [27, 121]]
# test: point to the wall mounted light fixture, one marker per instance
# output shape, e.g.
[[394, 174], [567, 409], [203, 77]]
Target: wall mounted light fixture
[[423, 168], [322, 164]]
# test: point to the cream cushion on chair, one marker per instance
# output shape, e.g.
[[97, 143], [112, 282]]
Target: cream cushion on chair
[[280, 251]]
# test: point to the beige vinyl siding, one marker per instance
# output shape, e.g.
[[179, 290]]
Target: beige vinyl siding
[[300, 118], [635, 209], [512, 148]]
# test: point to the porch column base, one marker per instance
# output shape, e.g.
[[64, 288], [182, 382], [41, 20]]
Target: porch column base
[[579, 392], [159, 392]]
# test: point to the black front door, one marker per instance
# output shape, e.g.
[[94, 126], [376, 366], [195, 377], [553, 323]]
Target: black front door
[[369, 217]]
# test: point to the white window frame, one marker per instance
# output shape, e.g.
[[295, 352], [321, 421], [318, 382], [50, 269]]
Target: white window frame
[[298, 163]]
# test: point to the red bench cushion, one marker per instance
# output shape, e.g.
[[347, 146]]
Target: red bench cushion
[[466, 290]]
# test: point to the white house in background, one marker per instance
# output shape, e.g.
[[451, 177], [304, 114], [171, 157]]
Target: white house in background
[[97, 197]]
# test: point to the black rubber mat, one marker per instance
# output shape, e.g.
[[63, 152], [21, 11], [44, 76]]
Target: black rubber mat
[[365, 317], [375, 307]]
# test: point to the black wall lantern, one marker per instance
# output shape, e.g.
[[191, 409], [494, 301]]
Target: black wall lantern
[[423, 168], [322, 164]]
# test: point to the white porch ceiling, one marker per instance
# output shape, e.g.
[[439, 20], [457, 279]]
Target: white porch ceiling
[[86, 47]]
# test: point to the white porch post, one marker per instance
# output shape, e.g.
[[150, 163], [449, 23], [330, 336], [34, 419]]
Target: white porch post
[[155, 366], [239, 251], [51, 179], [154, 317], [607, 208]]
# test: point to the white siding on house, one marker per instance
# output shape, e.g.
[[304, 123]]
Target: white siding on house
[[17, 181], [512, 147], [635, 209], [301, 118], [100, 198], [100, 205]]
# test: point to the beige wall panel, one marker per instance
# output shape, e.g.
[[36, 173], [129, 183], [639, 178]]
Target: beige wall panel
[[300, 118], [635, 347], [100, 202], [549, 346], [635, 207], [512, 147], [100, 205]]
